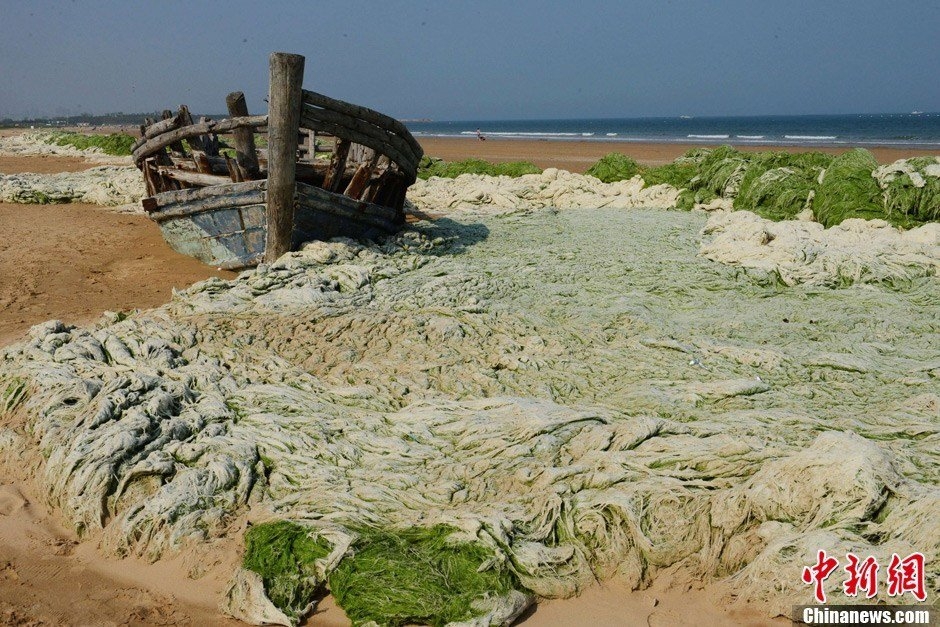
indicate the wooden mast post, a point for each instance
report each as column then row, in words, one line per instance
column 245, row 154
column 287, row 73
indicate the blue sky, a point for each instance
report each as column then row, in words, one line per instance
column 480, row 59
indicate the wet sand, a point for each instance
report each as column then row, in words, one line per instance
column 578, row 156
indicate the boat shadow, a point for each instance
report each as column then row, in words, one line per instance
column 457, row 236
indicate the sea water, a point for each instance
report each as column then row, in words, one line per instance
column 903, row 130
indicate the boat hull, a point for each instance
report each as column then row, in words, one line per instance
column 225, row 225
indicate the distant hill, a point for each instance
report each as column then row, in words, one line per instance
column 86, row 119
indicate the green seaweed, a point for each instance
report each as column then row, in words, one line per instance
column 118, row 144
column 429, row 167
column 15, row 393
column 720, row 171
column 416, row 576
column 779, row 185
column 907, row 200
column 284, row 554
column 688, row 198
column 614, row 167
column 848, row 190
column 679, row 173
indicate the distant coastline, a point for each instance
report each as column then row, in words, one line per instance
column 900, row 130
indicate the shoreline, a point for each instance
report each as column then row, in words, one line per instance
column 578, row 155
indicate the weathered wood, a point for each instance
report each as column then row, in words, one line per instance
column 378, row 185
column 357, row 209
column 158, row 128
column 151, row 180
column 192, row 131
column 363, row 128
column 194, row 178
column 359, row 180
column 197, row 200
column 234, row 172
column 406, row 161
column 377, row 162
column 364, row 113
column 245, row 154
column 334, row 176
column 286, row 81
column 210, row 141
column 201, row 160
column 166, row 212
column 311, row 143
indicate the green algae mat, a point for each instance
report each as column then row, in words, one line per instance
column 443, row 427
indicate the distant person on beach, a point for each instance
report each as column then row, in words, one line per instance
column 480, row 136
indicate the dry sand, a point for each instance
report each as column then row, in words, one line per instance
column 74, row 261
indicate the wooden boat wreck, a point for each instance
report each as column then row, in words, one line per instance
column 325, row 168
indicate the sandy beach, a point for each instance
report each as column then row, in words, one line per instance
column 72, row 262
column 75, row 261
column 578, row 156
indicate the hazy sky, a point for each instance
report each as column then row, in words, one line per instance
column 478, row 59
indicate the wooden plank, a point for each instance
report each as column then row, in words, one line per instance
column 384, row 217
column 311, row 143
column 377, row 189
column 167, row 124
column 193, row 131
column 189, row 195
column 150, row 179
column 359, row 181
column 202, row 206
column 210, row 141
column 334, row 176
column 245, row 154
column 195, row 142
column 364, row 113
column 194, row 178
column 196, row 200
column 234, row 172
column 201, row 160
column 286, row 80
column 365, row 128
column 407, row 162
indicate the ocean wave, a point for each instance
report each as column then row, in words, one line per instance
column 522, row 134
column 611, row 134
column 587, row 134
column 750, row 136
column 810, row 137
column 708, row 136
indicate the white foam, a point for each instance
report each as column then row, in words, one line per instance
column 611, row 134
column 522, row 134
column 812, row 137
column 749, row 136
column 708, row 136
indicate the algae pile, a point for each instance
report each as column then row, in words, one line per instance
column 114, row 182
column 781, row 185
column 512, row 404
